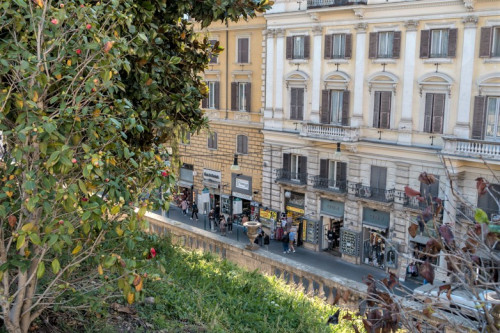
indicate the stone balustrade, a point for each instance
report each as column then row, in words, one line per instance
column 330, row 132
column 471, row 148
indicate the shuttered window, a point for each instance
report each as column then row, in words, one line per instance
column 242, row 144
column 243, row 56
column 378, row 177
column 297, row 103
column 212, row 101
column 337, row 101
column 489, row 45
column 434, row 113
column 241, row 96
column 211, row 95
column 212, row 140
column 338, row 46
column 213, row 60
column 297, row 47
column 382, row 109
column 386, row 44
column 438, row 43
column 335, row 107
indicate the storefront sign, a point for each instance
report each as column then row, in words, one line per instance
column 254, row 203
column 296, row 199
column 349, row 242
column 376, row 218
column 242, row 184
column 269, row 215
column 242, row 196
column 295, row 209
column 332, row 208
column 186, row 175
column 212, row 175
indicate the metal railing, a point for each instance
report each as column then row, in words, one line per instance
column 468, row 212
column 333, row 3
column 372, row 193
column 471, row 148
column 288, row 176
column 333, row 185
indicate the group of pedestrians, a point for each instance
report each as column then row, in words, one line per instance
column 288, row 240
column 219, row 221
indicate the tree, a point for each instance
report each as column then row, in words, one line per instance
column 89, row 90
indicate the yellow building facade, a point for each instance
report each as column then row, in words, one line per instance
column 234, row 109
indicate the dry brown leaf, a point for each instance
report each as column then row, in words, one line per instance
column 411, row 192
column 345, row 295
column 413, row 229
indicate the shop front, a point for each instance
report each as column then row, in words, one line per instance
column 331, row 222
column 294, row 209
column 375, row 233
column 185, row 183
column 210, row 197
column 269, row 218
column 241, row 192
column 310, row 233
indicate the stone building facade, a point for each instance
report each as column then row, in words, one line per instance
column 361, row 97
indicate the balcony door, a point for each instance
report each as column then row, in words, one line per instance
column 378, row 178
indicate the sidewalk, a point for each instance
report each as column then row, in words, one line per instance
column 320, row 260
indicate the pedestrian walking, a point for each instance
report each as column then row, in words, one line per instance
column 285, row 241
column 229, row 224
column 211, row 218
column 184, row 206
column 195, row 211
column 222, row 225
column 291, row 237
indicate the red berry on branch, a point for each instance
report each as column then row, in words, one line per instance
column 88, row 26
column 78, row 51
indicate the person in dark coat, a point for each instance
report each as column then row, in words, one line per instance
column 285, row 241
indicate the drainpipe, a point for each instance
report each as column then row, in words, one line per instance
column 227, row 69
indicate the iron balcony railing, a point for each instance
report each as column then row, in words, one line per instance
column 288, row 176
column 468, row 212
column 333, row 185
column 332, row 3
column 372, row 193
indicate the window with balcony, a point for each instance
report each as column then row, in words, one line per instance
column 242, row 144
column 492, row 119
column 382, row 109
column 297, row 47
column 434, row 113
column 489, row 46
column 240, row 96
column 243, row 50
column 438, row 43
column 490, row 200
column 386, row 44
column 212, row 140
column 332, row 175
column 294, row 168
column 338, row 46
column 297, row 103
column 212, row 101
column 378, row 178
column 213, row 59
column 335, row 107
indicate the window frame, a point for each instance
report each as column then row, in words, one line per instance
column 295, row 48
column 389, row 44
column 216, row 58
column 340, row 106
column 212, row 141
column 242, row 97
column 294, row 167
column 301, row 116
column 238, row 60
column 496, row 125
column 443, row 45
column 342, row 37
column 239, row 149
column 445, row 111
column 495, row 42
column 211, row 95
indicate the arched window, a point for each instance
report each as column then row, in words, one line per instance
column 296, row 83
column 435, row 89
column 335, row 99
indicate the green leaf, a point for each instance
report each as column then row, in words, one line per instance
column 142, row 36
column 53, row 239
column 86, row 215
column 35, row 239
column 20, row 241
column 82, row 186
column 55, row 266
column 110, row 261
column 53, row 159
column 480, row 216
column 40, row 270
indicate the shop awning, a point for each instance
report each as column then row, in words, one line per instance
column 183, row 183
column 211, row 184
column 374, row 226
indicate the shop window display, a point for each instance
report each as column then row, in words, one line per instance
column 374, row 250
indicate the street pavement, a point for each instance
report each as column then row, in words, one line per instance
column 319, row 260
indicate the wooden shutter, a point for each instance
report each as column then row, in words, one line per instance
column 348, row 46
column 328, row 46
column 429, row 100
column 385, row 109
column 378, row 177
column 289, row 47
column 307, row 47
column 248, row 96
column 341, row 171
column 239, row 144
column 245, row 144
column 438, row 113
column 217, row 95
column 325, row 107
column 211, row 143
column 452, row 43
column 303, row 169
column 213, row 59
column 323, row 168
column 243, row 50
column 293, row 103
column 345, row 107
column 234, row 96
column 372, row 50
column 300, row 104
column 479, row 119
column 287, row 161
column 485, row 43
column 425, row 43
column 376, row 109
column 204, row 103
column 396, row 44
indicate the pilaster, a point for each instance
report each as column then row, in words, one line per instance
column 357, row 115
column 268, row 110
column 316, row 73
column 280, row 61
column 466, row 72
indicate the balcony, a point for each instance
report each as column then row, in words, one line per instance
column 332, row 185
column 333, row 3
column 330, row 132
column 471, row 148
column 289, row 177
column 467, row 212
column 372, row 193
